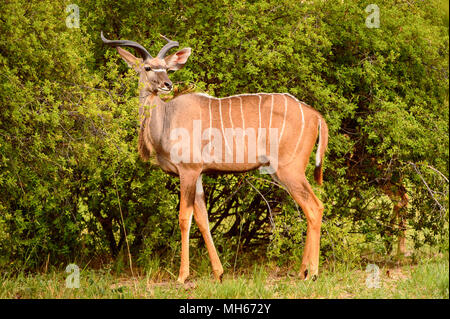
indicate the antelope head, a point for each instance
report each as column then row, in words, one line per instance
column 153, row 78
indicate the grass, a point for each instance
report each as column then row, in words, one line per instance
column 427, row 279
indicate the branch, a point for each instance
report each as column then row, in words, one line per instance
column 270, row 211
column 426, row 185
column 282, row 187
column 443, row 176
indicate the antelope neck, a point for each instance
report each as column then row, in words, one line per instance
column 148, row 99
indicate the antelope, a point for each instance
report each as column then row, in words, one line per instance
column 293, row 127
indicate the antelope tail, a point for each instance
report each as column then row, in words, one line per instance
column 321, row 148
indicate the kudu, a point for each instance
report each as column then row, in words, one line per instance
column 296, row 125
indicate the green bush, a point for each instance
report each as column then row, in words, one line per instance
column 68, row 125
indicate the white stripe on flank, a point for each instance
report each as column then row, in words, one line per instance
column 271, row 113
column 223, row 132
column 318, row 147
column 259, row 110
column 232, row 126
column 271, row 110
column 284, row 120
column 210, row 120
column 242, row 114
column 243, row 123
column 231, row 120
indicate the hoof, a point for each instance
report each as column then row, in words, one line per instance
column 304, row 274
column 181, row 279
column 183, row 275
column 218, row 274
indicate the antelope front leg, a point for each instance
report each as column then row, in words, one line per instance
column 201, row 218
column 313, row 232
column 306, row 258
column 187, row 193
column 185, row 219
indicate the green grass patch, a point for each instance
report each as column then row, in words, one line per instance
column 429, row 278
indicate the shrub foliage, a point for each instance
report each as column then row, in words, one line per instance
column 68, row 125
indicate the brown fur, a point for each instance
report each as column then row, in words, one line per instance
column 144, row 149
column 297, row 125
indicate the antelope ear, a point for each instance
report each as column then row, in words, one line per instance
column 177, row 60
column 130, row 59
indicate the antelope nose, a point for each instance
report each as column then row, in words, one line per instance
column 168, row 85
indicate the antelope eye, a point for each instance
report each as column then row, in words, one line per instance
column 147, row 68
